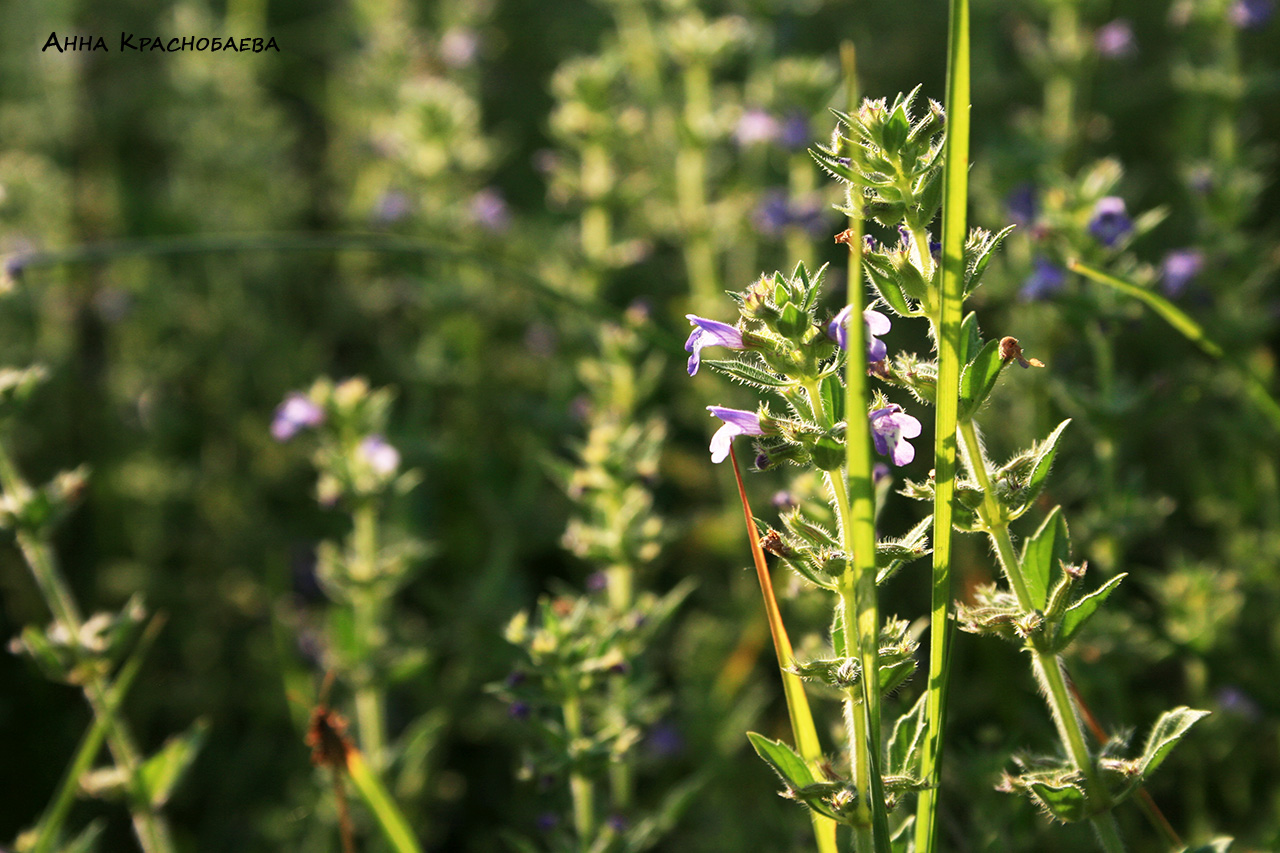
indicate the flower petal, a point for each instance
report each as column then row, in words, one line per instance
column 877, row 323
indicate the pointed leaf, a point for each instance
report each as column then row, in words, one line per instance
column 1045, row 451
column 979, row 379
column 1041, row 553
column 795, row 774
column 1165, row 734
column 748, row 374
column 161, row 772
column 978, row 254
column 903, row 751
column 1217, row 845
column 1077, row 614
column 1063, row 800
column 970, row 338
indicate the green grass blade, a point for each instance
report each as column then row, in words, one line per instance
column 385, row 811
column 1192, row 331
column 955, row 195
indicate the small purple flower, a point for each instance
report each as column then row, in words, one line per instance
column 1110, row 221
column 755, row 127
column 616, row 822
column 489, row 210
column 382, row 457
column 515, row 678
column 709, row 333
column 520, row 710
column 784, row 501
column 879, row 473
column 1023, row 204
column 598, row 581
column 1179, row 268
column 1114, row 40
column 794, row 134
column 736, row 422
column 1046, row 279
column 890, row 427
column 392, row 206
column 664, row 740
column 295, row 414
column 547, row 821
column 1233, row 700
column 876, row 324
column 1252, row 14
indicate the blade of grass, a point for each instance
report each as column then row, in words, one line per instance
column 1192, row 331
column 954, row 202
column 802, row 727
column 385, row 811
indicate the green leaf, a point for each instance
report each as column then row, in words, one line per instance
column 87, row 840
column 748, row 374
column 1218, row 845
column 884, row 279
column 161, row 772
column 978, row 252
column 979, row 379
column 1165, row 734
column 903, row 751
column 1063, row 800
column 970, row 338
column 1040, row 463
column 1077, row 614
column 789, row 766
column 1042, row 552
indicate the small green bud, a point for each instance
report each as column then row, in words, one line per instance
column 828, row 453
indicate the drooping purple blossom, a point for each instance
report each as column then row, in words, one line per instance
column 736, row 422
column 1114, row 40
column 459, row 46
column 890, row 429
column 709, row 333
column 876, row 324
column 1252, row 14
column 295, row 414
column 381, row 456
column 391, row 207
column 755, row 126
column 776, row 212
column 1110, row 221
column 1046, row 279
column 1178, row 269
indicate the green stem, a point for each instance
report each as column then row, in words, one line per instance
column 150, row 827
column 367, row 615
column 580, row 789
column 1045, row 665
column 691, row 186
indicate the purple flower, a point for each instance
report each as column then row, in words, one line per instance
column 876, row 324
column 1023, row 204
column 1179, row 268
column 489, row 210
column 547, row 821
column 754, row 127
column 879, row 473
column 736, row 422
column 1110, row 221
column 1252, row 14
column 295, row 414
column 1114, row 40
column 520, row 710
column 1046, row 279
column 616, row 822
column 890, row 427
column 709, row 333
column 392, row 206
column 795, row 133
column 773, row 214
column 382, row 457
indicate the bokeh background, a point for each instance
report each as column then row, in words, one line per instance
column 451, row 199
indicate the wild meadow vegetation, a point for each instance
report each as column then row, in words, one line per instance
column 483, row 425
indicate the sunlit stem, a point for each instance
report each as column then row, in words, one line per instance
column 580, row 789
column 1045, row 664
column 367, row 612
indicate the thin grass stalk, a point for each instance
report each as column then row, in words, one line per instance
column 802, row 726
column 948, row 334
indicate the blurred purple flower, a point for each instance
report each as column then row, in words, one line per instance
column 598, row 581
column 381, row 456
column 794, row 134
column 547, row 821
column 1252, row 14
column 1114, row 40
column 1178, row 269
column 784, row 501
column 520, row 710
column 664, row 740
column 736, row 422
column 890, row 429
column 879, row 473
column 1110, row 221
column 773, row 214
column 876, row 324
column 709, row 333
column 1046, row 279
column 1023, row 204
column 489, row 210
column 617, row 822
column 1233, row 700
column 391, row 207
column 295, row 414
column 459, row 46
column 755, row 127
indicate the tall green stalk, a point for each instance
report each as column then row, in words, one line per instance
column 948, row 335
